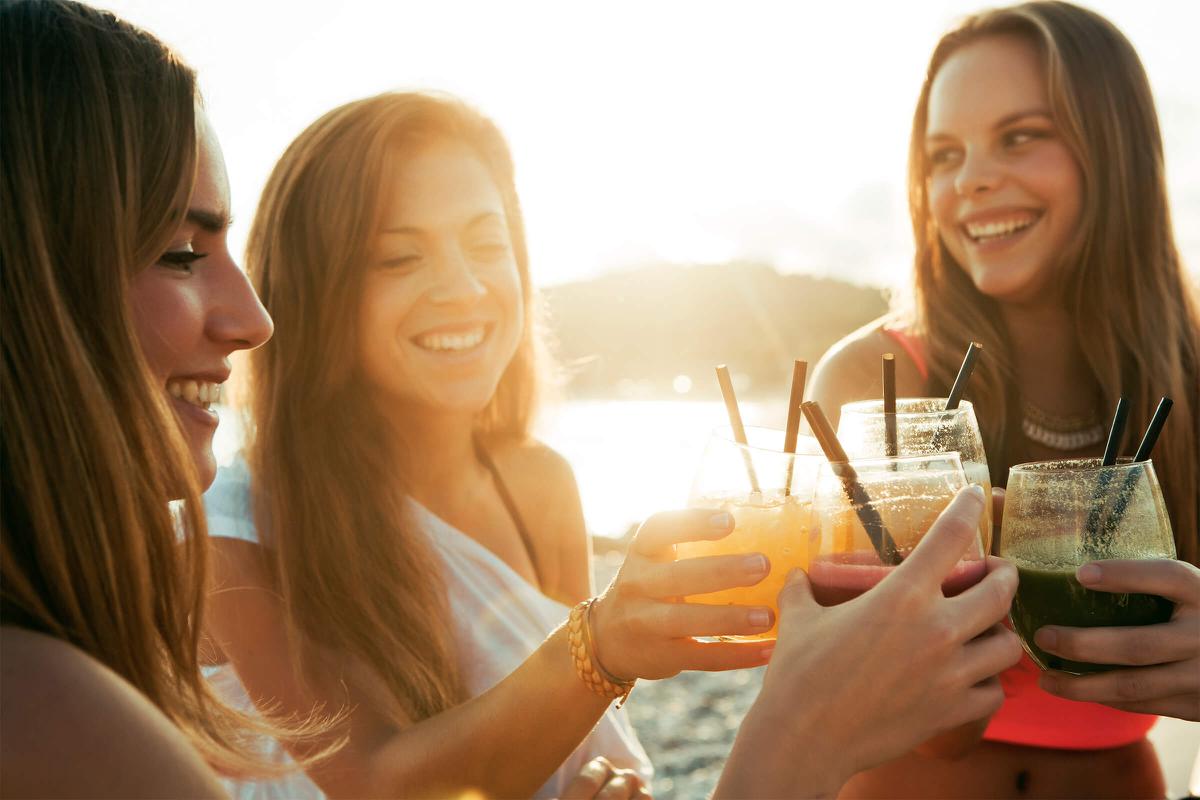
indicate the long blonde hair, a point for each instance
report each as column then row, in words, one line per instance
column 356, row 576
column 98, row 143
column 1136, row 316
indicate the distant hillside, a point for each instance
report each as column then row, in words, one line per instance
column 632, row 333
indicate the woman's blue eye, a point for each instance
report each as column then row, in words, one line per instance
column 180, row 260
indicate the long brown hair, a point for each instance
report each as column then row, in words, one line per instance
column 1135, row 314
column 356, row 575
column 98, row 143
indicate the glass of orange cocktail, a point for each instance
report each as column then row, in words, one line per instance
column 922, row 426
column 870, row 514
column 769, row 494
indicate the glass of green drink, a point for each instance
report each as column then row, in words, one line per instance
column 1059, row 515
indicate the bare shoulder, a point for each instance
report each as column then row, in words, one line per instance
column 543, row 486
column 850, row 369
column 535, row 465
column 71, row 727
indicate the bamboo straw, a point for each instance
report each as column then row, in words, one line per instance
column 792, row 431
column 891, row 444
column 881, row 540
column 735, row 423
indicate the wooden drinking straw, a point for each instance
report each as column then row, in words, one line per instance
column 1143, row 454
column 735, row 423
column 1111, row 447
column 792, row 432
column 891, row 445
column 964, row 374
column 881, row 540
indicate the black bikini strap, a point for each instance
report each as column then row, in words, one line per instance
column 509, row 504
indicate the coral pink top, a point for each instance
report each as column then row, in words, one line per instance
column 1030, row 716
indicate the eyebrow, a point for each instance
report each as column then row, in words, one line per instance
column 1003, row 122
column 474, row 221
column 209, row 221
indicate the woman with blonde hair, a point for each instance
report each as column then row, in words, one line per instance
column 121, row 305
column 395, row 542
column 1039, row 207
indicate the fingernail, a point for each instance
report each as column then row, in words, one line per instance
column 1088, row 573
column 976, row 491
column 1046, row 638
column 721, row 521
column 794, row 575
column 760, row 618
column 755, row 564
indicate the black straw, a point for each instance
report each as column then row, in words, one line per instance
column 1143, row 454
column 1115, row 433
column 891, row 440
column 877, row 532
column 964, row 374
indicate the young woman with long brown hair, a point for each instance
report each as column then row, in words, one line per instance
column 121, row 305
column 397, row 544
column 1043, row 231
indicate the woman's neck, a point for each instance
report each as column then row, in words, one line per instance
column 439, row 449
column 1052, row 372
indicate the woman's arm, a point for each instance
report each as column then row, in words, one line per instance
column 1164, row 660
column 851, row 371
column 509, row 740
column 71, row 727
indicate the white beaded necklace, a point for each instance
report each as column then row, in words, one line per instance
column 1060, row 433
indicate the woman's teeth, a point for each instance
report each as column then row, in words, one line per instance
column 198, row 393
column 451, row 342
column 990, row 231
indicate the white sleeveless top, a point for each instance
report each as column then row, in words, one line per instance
column 500, row 619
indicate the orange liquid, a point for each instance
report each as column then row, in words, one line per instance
column 775, row 526
column 907, row 522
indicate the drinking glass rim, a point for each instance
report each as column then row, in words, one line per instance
column 948, row 455
column 725, row 434
column 1075, row 466
column 859, row 407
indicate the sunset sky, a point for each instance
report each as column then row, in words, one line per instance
column 650, row 131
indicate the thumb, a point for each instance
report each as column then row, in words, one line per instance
column 954, row 532
column 796, row 595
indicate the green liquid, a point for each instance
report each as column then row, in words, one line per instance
column 1054, row 597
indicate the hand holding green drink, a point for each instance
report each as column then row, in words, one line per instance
column 1136, row 607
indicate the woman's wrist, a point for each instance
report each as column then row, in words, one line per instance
column 781, row 750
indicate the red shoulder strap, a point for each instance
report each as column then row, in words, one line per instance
column 913, row 346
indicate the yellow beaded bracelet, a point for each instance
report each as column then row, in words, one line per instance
column 583, row 654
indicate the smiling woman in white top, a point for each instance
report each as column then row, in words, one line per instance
column 396, row 543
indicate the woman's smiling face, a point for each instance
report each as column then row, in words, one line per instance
column 442, row 311
column 195, row 307
column 1004, row 189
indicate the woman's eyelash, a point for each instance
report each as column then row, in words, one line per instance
column 180, row 258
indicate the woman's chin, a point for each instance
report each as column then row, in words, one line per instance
column 1007, row 285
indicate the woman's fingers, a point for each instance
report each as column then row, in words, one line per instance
column 947, row 540
column 681, row 620
column 1132, row 685
column 659, row 533
column 983, row 605
column 720, row 656
column 1131, row 646
column 623, row 785
column 1175, row 580
column 692, row 576
column 590, row 780
column 989, row 655
column 1180, row 706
